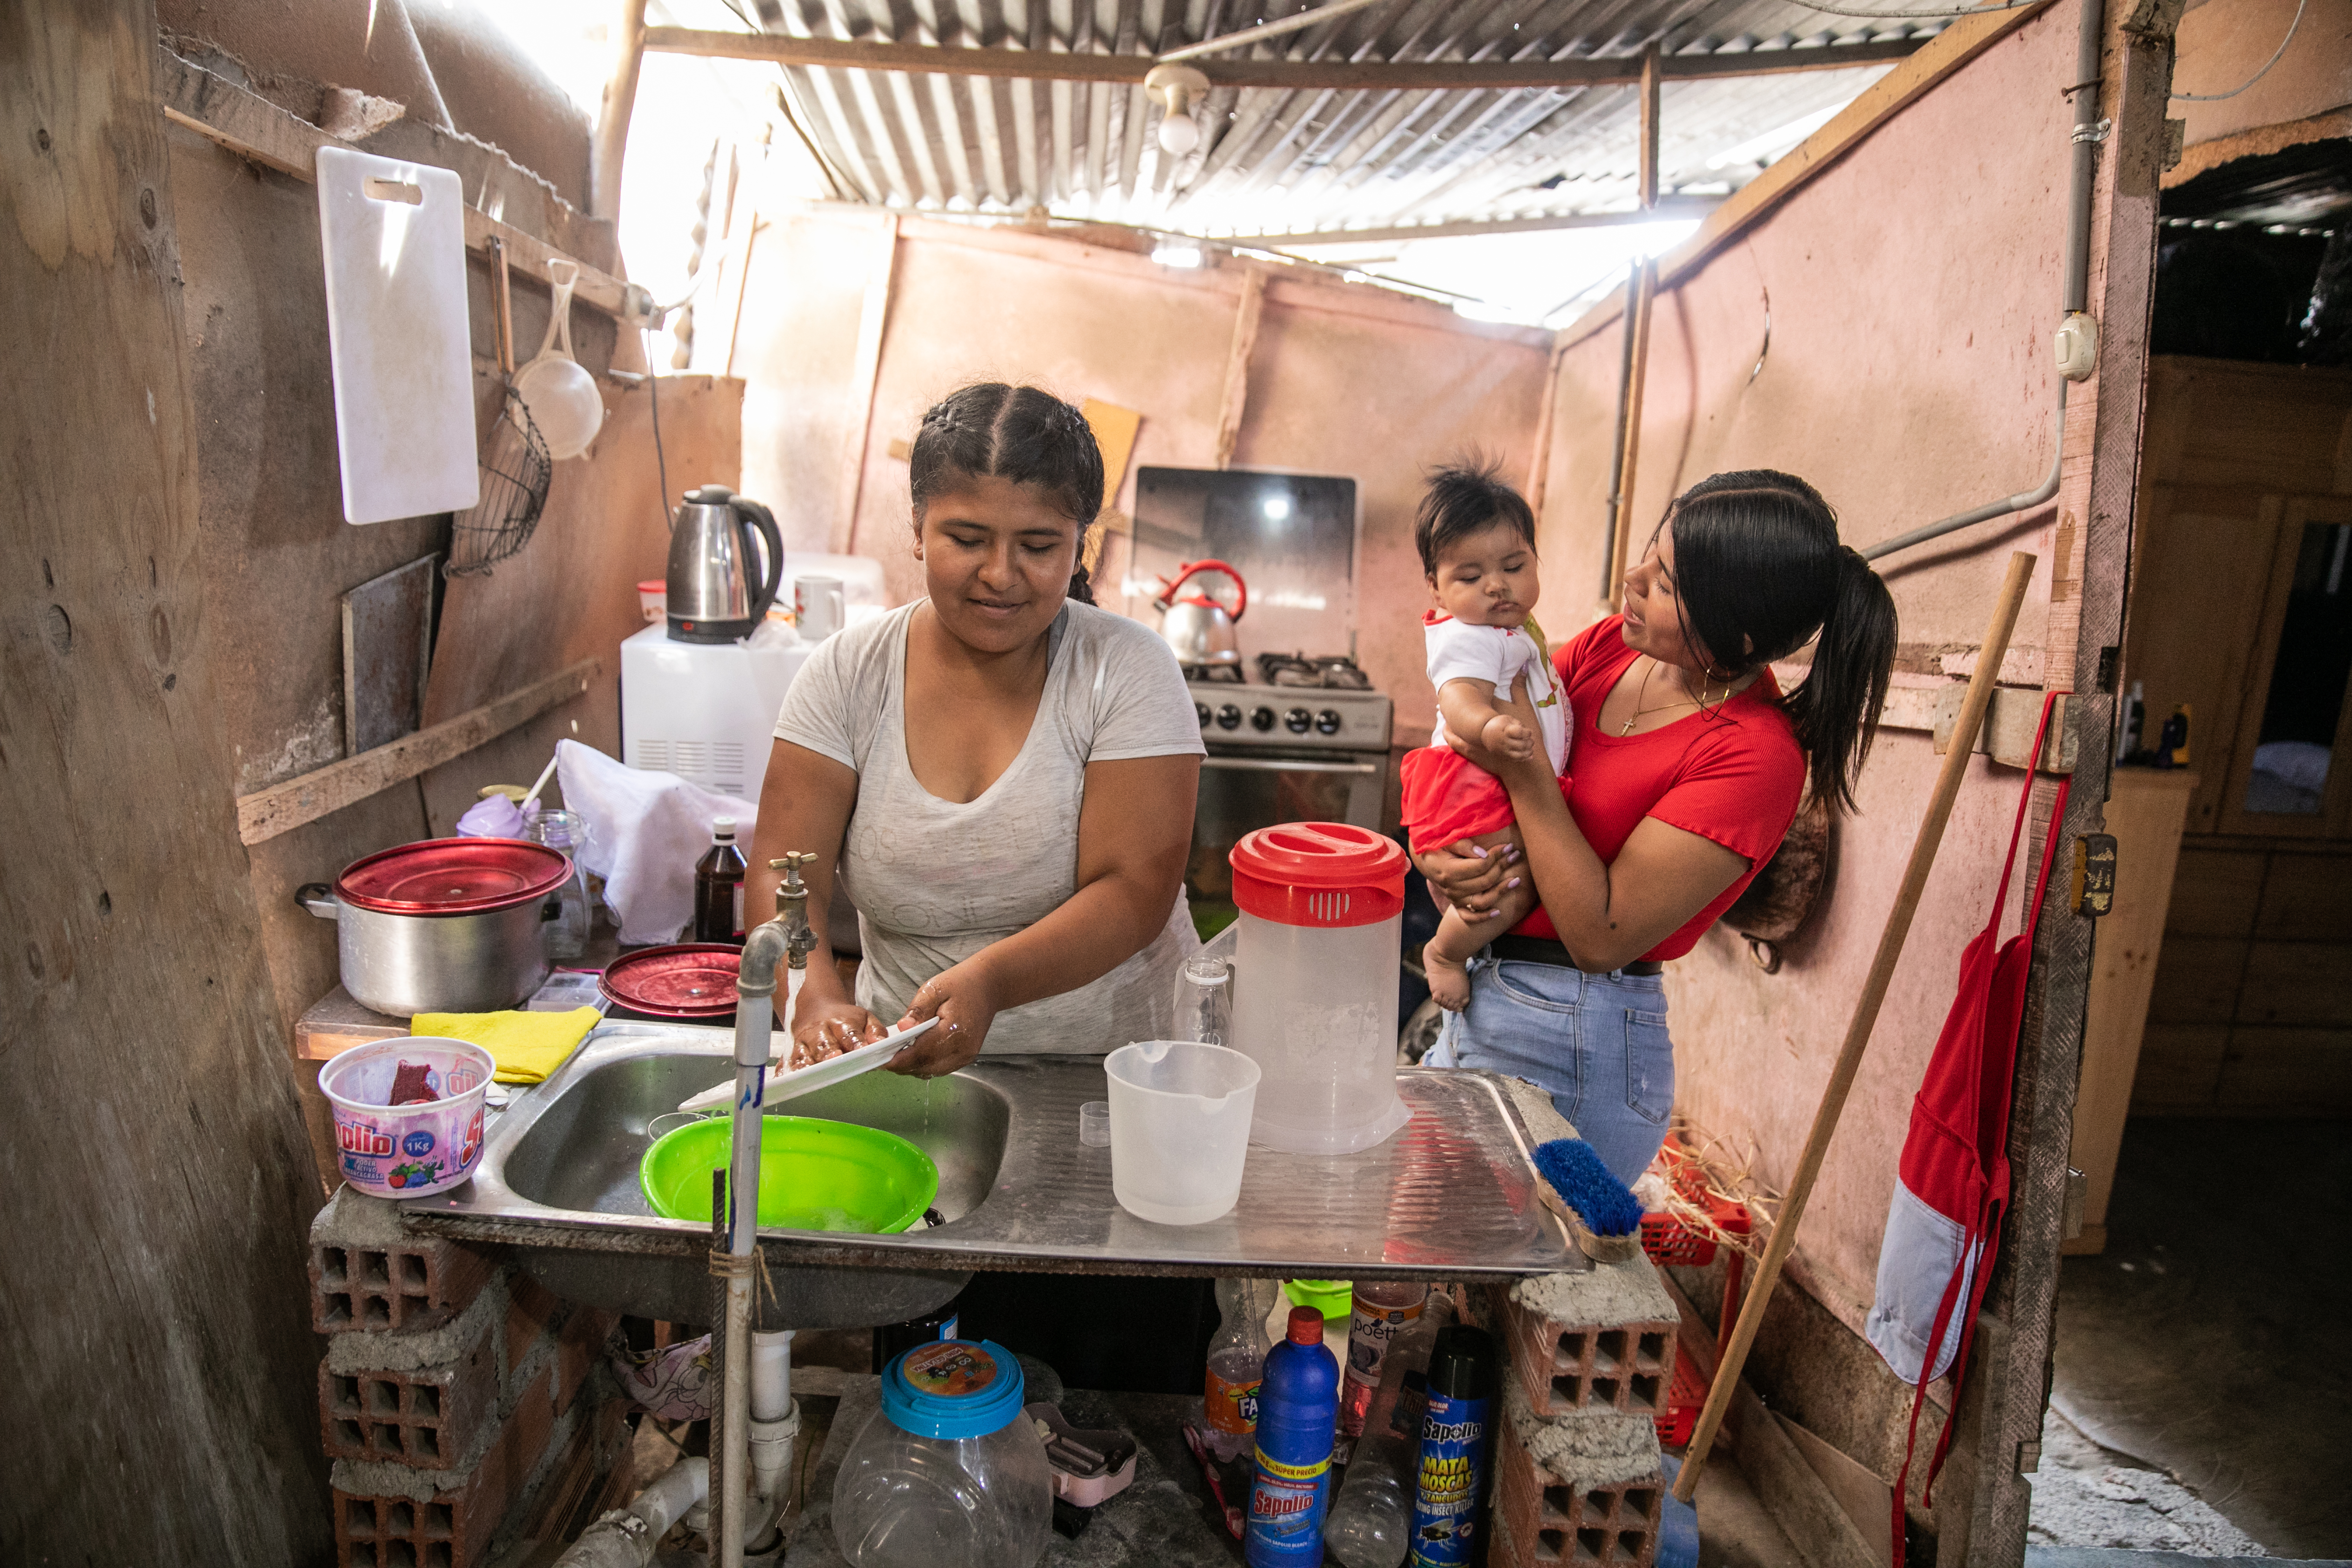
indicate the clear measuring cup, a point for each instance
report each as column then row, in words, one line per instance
column 1179, row 1127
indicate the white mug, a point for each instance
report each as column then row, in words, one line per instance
column 818, row 607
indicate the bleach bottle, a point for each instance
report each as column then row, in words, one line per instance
column 1450, row 1475
column 1297, row 1408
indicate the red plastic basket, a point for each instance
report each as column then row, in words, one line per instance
column 1668, row 1239
column 1685, row 1396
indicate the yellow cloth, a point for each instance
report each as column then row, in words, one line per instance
column 526, row 1046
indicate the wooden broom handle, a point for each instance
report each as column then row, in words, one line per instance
column 1865, row 1016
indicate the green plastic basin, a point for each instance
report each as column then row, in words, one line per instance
column 813, row 1175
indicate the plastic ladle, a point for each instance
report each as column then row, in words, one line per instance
column 559, row 392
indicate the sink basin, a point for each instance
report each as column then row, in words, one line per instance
column 1450, row 1197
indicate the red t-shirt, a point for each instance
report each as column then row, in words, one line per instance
column 1733, row 776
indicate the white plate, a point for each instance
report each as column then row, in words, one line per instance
column 783, row 1085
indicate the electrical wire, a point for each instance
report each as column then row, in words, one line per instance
column 2275, row 55
column 1331, row 11
column 1910, row 15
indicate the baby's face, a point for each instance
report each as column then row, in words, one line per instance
column 1487, row 578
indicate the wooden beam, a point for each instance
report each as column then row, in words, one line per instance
column 1666, row 207
column 1645, row 160
column 865, row 376
column 265, row 814
column 1947, row 52
column 1234, row 400
column 256, row 129
column 620, row 101
column 1376, row 76
column 1637, row 367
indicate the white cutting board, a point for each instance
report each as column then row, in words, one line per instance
column 394, row 235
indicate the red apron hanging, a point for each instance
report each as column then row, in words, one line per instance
column 1943, row 1227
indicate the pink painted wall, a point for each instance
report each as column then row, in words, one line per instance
column 1346, row 379
column 1912, row 287
column 2223, row 42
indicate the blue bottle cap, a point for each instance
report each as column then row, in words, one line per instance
column 952, row 1388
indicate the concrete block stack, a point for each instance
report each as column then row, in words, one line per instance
column 1588, row 1360
column 453, row 1389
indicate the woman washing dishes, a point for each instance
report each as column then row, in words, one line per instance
column 1001, row 775
column 1686, row 767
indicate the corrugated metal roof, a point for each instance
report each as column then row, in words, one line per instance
column 1285, row 161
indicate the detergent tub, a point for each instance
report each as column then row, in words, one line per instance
column 408, row 1151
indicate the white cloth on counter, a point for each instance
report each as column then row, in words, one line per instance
column 935, row 882
column 648, row 829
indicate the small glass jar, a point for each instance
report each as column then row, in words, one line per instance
column 1204, row 1001
column 949, row 1469
column 566, row 935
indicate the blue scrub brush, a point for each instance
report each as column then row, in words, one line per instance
column 1602, row 1214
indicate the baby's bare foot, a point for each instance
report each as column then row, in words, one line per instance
column 1449, row 982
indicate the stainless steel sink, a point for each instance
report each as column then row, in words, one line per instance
column 1450, row 1197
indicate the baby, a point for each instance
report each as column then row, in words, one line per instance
column 1477, row 541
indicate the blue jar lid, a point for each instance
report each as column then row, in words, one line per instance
column 952, row 1388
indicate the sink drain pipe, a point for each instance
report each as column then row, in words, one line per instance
column 626, row 1538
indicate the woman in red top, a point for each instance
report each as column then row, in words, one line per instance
column 1686, row 767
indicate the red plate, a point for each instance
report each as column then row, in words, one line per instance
column 453, row 876
column 688, row 979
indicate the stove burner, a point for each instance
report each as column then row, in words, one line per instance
column 1216, row 674
column 1331, row 672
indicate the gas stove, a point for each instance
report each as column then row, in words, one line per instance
column 1294, row 702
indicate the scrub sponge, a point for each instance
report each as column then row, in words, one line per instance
column 1597, row 1202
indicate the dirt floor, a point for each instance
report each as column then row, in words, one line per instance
column 2203, row 1399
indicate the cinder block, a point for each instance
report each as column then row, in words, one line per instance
column 531, row 1310
column 1564, row 1364
column 1543, row 1519
column 427, row 1417
column 579, row 1347
column 368, row 1274
column 414, row 1528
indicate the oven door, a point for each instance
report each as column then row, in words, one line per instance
column 1240, row 794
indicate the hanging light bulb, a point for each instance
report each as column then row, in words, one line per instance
column 1176, row 89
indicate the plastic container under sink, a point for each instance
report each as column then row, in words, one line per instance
column 1180, row 1129
column 950, row 1470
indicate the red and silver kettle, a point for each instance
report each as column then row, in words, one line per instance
column 1197, row 626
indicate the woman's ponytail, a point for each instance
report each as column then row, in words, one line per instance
column 1836, row 707
column 1758, row 570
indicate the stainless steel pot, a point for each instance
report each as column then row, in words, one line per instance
column 444, row 926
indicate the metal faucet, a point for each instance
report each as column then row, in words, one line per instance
column 791, row 908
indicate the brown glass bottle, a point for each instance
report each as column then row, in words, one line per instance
column 719, row 886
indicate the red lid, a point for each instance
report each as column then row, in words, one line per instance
column 1305, row 1326
column 453, row 876
column 1318, row 874
column 685, row 980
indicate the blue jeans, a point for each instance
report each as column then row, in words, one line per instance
column 1596, row 1042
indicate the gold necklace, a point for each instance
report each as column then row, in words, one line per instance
column 1644, row 690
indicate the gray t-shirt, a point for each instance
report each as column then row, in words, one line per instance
column 934, row 882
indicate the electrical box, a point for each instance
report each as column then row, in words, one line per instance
column 2077, row 343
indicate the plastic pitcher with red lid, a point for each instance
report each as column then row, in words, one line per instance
column 1315, row 984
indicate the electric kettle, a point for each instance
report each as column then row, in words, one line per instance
column 1196, row 626
column 715, row 596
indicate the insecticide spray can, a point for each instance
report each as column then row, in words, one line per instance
column 1452, row 1470
column 1298, row 1407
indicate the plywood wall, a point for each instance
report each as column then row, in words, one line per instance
column 162, row 1402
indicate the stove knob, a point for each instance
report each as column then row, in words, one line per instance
column 1296, row 720
column 1202, row 709
column 1229, row 717
column 1328, row 721
column 1261, row 717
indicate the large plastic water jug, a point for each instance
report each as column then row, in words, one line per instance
column 1315, row 983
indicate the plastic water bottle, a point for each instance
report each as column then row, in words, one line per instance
column 1382, row 1310
column 1298, row 1407
column 1229, row 1400
column 1372, row 1518
column 1450, row 1471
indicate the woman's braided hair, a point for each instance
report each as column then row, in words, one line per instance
column 994, row 430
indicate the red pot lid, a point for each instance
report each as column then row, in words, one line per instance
column 453, row 877
column 685, row 980
column 1318, row 874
